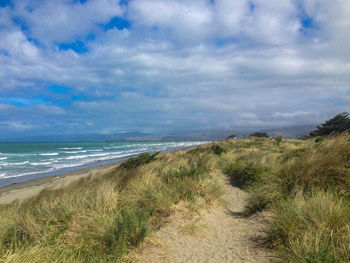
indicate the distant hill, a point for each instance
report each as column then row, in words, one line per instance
column 205, row 135
column 292, row 131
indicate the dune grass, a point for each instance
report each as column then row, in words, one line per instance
column 98, row 219
column 312, row 228
column 303, row 184
column 308, row 195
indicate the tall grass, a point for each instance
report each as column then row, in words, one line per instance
column 323, row 166
column 312, row 228
column 308, row 196
column 304, row 185
column 99, row 218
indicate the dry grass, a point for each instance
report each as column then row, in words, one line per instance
column 98, row 219
column 314, row 228
column 325, row 165
column 308, row 194
column 304, row 184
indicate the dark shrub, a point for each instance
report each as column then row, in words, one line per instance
column 232, row 136
column 217, row 149
column 142, row 159
column 338, row 124
column 259, row 134
column 244, row 174
column 278, row 139
column 319, row 139
column 198, row 150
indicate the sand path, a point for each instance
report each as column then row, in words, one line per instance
column 221, row 235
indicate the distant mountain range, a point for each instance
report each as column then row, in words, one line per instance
column 291, row 132
column 208, row 135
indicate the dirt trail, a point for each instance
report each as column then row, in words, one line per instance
column 223, row 235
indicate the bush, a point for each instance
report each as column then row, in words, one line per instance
column 244, row 174
column 142, row 159
column 278, row 139
column 199, row 149
column 232, row 136
column 319, row 139
column 217, row 149
column 214, row 148
column 338, row 124
column 259, row 134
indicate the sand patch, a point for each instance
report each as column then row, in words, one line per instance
column 219, row 235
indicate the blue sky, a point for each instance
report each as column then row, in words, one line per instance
column 106, row 66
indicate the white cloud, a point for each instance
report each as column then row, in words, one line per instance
column 186, row 20
column 182, row 64
column 64, row 20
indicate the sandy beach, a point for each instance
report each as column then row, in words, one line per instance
column 20, row 191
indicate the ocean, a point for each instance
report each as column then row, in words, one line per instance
column 20, row 162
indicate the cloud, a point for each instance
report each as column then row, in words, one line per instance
column 175, row 65
column 64, row 21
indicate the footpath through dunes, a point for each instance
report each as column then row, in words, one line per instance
column 218, row 235
column 151, row 208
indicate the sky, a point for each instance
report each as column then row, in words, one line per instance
column 107, row 66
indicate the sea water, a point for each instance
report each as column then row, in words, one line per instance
column 21, row 162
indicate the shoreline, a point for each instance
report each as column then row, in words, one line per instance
column 23, row 190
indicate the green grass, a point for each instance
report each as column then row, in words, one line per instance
column 100, row 218
column 312, row 228
column 142, row 159
column 244, row 174
column 304, row 185
column 307, row 193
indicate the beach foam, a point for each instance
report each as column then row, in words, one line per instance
column 77, row 157
column 48, row 154
column 42, row 163
column 53, row 157
column 71, row 148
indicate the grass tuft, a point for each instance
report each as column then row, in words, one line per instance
column 314, row 228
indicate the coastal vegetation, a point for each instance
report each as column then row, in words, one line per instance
column 302, row 186
column 232, row 136
column 259, row 135
column 308, row 195
column 100, row 218
column 338, row 124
